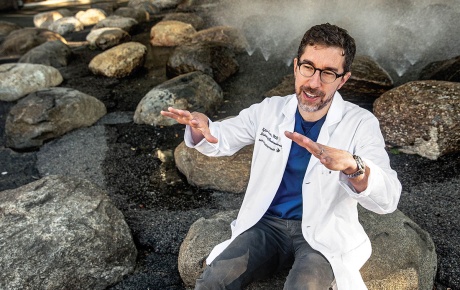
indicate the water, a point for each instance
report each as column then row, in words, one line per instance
column 401, row 35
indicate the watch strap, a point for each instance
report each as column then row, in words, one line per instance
column 361, row 167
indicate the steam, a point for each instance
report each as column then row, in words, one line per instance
column 402, row 35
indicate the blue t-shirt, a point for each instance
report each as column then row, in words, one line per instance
column 287, row 203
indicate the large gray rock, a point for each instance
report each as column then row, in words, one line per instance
column 194, row 92
column 21, row 41
column 368, row 79
column 144, row 5
column 198, row 5
column 191, row 18
column 444, row 70
column 7, row 27
column 228, row 173
column 403, row 256
column 215, row 59
column 18, row 80
column 139, row 14
column 107, row 37
column 166, row 4
column 125, row 23
column 51, row 53
column 225, row 35
column 119, row 61
column 171, row 33
column 421, row 117
column 66, row 25
column 49, row 113
column 62, row 233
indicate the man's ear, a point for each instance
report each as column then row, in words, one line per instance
column 295, row 66
column 344, row 79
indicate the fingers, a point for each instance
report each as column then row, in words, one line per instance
column 181, row 116
column 197, row 121
column 313, row 147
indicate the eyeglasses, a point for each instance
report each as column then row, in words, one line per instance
column 326, row 76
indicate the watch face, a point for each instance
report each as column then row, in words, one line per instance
column 359, row 162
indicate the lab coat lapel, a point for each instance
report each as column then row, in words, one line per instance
column 287, row 125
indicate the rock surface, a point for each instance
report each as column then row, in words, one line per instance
column 107, row 37
column 193, row 91
column 119, row 61
column 421, row 117
column 171, row 33
column 225, row 35
column 213, row 59
column 21, row 41
column 18, row 80
column 62, row 233
column 66, row 25
column 445, row 70
column 6, row 28
column 125, row 23
column 402, row 251
column 51, row 53
column 91, row 16
column 228, row 174
column 44, row 19
column 49, row 113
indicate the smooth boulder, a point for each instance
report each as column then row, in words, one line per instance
column 91, row 16
column 125, row 23
column 50, row 113
column 225, row 35
column 18, row 80
column 228, row 173
column 194, row 91
column 119, row 61
column 66, row 26
column 21, row 41
column 215, row 59
column 444, row 70
column 51, row 53
column 107, row 37
column 171, row 33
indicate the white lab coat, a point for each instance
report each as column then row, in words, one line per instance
column 330, row 217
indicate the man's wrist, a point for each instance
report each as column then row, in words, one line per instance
column 359, row 169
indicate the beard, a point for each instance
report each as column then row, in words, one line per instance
column 316, row 107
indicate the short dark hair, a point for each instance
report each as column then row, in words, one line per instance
column 330, row 35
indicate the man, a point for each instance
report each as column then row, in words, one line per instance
column 315, row 158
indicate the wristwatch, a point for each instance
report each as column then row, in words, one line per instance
column 361, row 167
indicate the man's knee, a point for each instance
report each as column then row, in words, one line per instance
column 224, row 274
column 312, row 272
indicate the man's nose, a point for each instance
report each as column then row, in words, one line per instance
column 315, row 80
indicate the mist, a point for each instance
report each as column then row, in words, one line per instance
column 401, row 35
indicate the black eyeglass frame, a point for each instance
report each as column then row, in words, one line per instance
column 320, row 72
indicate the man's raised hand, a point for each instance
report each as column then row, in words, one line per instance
column 198, row 122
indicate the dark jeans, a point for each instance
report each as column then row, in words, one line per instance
column 269, row 246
